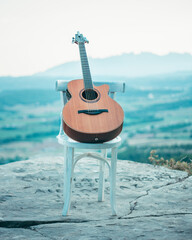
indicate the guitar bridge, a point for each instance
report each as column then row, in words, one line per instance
column 93, row 111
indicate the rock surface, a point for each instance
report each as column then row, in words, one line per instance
column 152, row 202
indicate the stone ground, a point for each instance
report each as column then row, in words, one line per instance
column 152, row 202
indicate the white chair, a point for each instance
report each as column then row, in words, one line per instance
column 70, row 145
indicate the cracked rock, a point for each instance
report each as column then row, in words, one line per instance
column 150, row 200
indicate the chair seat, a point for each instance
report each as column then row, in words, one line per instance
column 69, row 142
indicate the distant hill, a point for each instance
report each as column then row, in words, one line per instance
column 135, row 69
column 127, row 65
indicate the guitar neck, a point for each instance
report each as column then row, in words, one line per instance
column 85, row 67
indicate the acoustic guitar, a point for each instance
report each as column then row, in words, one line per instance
column 90, row 115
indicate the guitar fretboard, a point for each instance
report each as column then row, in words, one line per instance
column 85, row 67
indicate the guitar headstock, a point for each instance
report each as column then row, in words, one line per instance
column 79, row 39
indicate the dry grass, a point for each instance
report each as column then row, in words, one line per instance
column 170, row 163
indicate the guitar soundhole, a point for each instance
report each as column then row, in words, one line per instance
column 90, row 95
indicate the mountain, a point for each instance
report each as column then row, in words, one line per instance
column 127, row 65
column 145, row 69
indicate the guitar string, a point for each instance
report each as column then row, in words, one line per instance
column 81, row 50
column 90, row 92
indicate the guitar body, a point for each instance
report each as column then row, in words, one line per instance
column 94, row 120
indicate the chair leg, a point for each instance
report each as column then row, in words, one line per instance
column 102, row 177
column 113, row 179
column 68, row 172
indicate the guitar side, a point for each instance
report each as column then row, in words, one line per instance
column 90, row 128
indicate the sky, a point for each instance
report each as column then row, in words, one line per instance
column 36, row 35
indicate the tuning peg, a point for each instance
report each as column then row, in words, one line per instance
column 86, row 40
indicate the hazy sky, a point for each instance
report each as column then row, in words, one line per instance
column 36, row 34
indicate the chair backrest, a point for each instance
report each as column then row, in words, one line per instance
column 61, row 85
